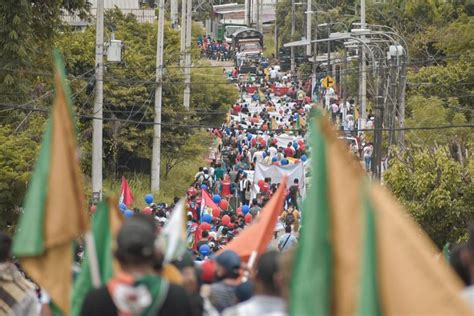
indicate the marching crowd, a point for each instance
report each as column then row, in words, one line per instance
column 266, row 128
column 213, row 49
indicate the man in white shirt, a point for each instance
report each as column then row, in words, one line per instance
column 273, row 74
column 272, row 151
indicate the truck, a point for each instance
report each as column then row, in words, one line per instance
column 249, row 42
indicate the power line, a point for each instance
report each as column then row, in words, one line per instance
column 23, row 108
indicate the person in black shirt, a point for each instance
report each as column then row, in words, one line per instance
column 137, row 290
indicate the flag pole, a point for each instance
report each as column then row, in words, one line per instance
column 92, row 255
column 251, row 262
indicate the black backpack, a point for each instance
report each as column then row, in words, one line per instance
column 206, row 180
column 290, row 218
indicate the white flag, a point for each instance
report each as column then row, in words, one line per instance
column 173, row 236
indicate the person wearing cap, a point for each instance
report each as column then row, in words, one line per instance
column 267, row 299
column 18, row 294
column 222, row 294
column 137, row 290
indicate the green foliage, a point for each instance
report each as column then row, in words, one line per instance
column 129, row 95
column 17, row 154
column 436, row 190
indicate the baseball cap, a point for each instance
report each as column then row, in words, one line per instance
column 135, row 242
column 229, row 260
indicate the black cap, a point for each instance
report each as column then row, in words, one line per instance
column 135, row 242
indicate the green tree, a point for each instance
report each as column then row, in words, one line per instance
column 435, row 189
column 17, row 155
column 129, row 92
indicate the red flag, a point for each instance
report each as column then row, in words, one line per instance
column 207, row 204
column 258, row 234
column 126, row 195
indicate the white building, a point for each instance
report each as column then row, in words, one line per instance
column 126, row 6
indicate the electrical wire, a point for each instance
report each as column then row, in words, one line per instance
column 22, row 108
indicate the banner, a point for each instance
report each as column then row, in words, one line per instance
column 276, row 173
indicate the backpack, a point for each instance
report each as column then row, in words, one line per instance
column 290, row 218
column 206, row 180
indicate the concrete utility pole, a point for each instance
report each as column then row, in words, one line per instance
column 257, row 16
column 97, row 123
column 308, row 28
column 363, row 74
column 183, row 31
column 247, row 13
column 156, row 155
column 276, row 33
column 292, row 49
column 174, row 13
column 187, row 59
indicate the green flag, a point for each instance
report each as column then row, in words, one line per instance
column 54, row 211
column 311, row 279
column 102, row 230
column 369, row 304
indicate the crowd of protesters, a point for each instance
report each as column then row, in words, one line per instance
column 214, row 49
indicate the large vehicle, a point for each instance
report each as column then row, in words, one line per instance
column 231, row 29
column 228, row 27
column 249, row 42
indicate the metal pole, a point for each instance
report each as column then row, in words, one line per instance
column 379, row 107
column 97, row 123
column 401, row 110
column 308, row 28
column 156, row 155
column 292, row 49
column 363, row 75
column 329, row 52
column 187, row 61
column 174, row 13
column 183, row 31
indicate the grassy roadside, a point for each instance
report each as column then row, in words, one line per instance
column 178, row 181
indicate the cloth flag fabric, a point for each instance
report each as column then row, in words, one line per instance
column 173, row 235
column 126, row 195
column 259, row 233
column 105, row 225
column 207, row 204
column 54, row 212
column 339, row 251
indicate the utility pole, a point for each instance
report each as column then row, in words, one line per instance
column 314, row 80
column 379, row 107
column 401, row 109
column 276, row 32
column 247, row 13
column 174, row 13
column 329, row 51
column 261, row 16
column 257, row 16
column 292, row 49
column 156, row 155
column 308, row 28
column 187, row 59
column 97, row 123
column 363, row 75
column 183, row 31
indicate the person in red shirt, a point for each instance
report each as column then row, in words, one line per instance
column 289, row 151
column 237, row 108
